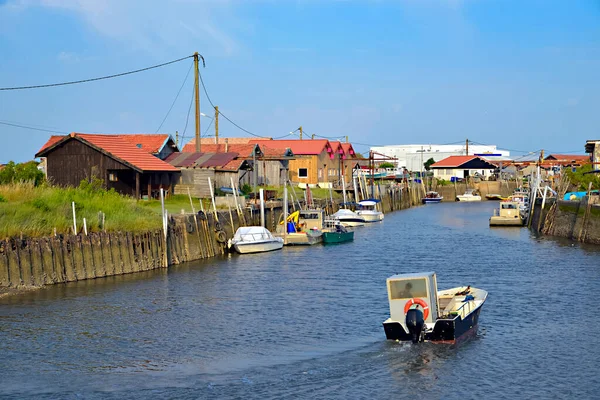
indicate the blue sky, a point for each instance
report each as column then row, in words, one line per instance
column 520, row 74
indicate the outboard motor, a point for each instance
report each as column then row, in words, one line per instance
column 415, row 324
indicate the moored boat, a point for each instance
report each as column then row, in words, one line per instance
column 419, row 312
column 509, row 214
column 470, row 195
column 432, row 197
column 254, row 239
column 304, row 227
column 349, row 217
column 335, row 232
column 494, row 196
column 368, row 210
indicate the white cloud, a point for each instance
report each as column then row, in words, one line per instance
column 67, row 57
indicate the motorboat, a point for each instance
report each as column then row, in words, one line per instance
column 302, row 227
column 470, row 195
column 335, row 232
column 254, row 239
column 349, row 217
column 509, row 214
column 432, row 197
column 419, row 312
column 368, row 210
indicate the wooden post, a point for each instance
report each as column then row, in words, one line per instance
column 74, row 219
column 137, row 185
column 212, row 196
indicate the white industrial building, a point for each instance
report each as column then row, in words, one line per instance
column 412, row 156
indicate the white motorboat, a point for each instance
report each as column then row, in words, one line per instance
column 419, row 312
column 368, row 210
column 508, row 214
column 349, row 217
column 254, row 239
column 469, row 195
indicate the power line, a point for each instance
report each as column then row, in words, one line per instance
column 176, row 97
column 221, row 113
column 187, row 119
column 32, row 128
column 95, row 79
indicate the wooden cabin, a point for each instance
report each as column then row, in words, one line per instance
column 120, row 165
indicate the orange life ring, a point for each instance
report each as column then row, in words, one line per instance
column 420, row 302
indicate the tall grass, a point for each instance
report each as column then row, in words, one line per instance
column 37, row 211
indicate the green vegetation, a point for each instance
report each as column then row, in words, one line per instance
column 386, row 165
column 427, row 164
column 581, row 180
column 22, row 172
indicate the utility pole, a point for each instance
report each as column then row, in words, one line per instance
column 216, row 124
column 467, row 146
column 197, row 95
column 300, row 132
column 312, row 136
column 346, row 139
column 177, row 138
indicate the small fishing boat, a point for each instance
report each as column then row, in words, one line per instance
column 493, row 196
column 432, row 197
column 303, row 227
column 349, row 217
column 335, row 232
column 419, row 312
column 470, row 195
column 509, row 214
column 254, row 239
column 368, row 210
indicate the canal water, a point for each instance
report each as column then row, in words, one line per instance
column 306, row 322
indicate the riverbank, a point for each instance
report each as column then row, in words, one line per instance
column 35, row 262
column 575, row 220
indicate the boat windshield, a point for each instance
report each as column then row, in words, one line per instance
column 309, row 215
column 408, row 288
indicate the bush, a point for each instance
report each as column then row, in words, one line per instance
column 246, row 189
column 22, row 172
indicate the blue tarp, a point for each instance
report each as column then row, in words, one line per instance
column 576, row 195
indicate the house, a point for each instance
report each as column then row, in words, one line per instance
column 120, row 165
column 272, row 163
column 462, row 167
column 220, row 167
column 160, row 145
column 592, row 147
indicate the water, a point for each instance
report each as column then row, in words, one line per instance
column 306, row 322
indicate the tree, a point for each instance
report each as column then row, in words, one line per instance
column 427, row 164
column 581, row 179
column 21, row 172
column 386, row 165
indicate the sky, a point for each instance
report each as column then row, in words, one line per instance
column 520, row 74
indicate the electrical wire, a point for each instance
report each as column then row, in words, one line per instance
column 32, row 128
column 95, row 79
column 225, row 116
column 187, row 119
column 176, row 97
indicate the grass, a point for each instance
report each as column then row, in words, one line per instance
column 36, row 211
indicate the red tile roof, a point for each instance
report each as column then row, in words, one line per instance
column 349, row 150
column 230, row 140
column 299, row 147
column 567, row 157
column 245, row 150
column 118, row 148
column 53, row 139
column 152, row 143
column 453, row 161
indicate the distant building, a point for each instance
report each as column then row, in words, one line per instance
column 461, row 167
column 412, row 156
column 120, row 164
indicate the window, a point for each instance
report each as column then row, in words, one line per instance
column 320, row 173
column 112, row 177
column 408, row 289
column 302, row 172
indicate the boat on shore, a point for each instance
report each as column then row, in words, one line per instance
column 509, row 214
column 419, row 312
column 470, row 195
column 335, row 232
column 368, row 210
column 494, row 196
column 349, row 217
column 254, row 239
column 432, row 197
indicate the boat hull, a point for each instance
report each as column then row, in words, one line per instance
column 431, row 200
column 505, row 221
column 468, row 198
column 444, row 331
column 371, row 216
column 337, row 237
column 246, row 248
column 301, row 239
column 352, row 223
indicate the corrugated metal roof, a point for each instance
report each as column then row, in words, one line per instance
column 245, row 150
column 120, row 149
column 202, row 160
